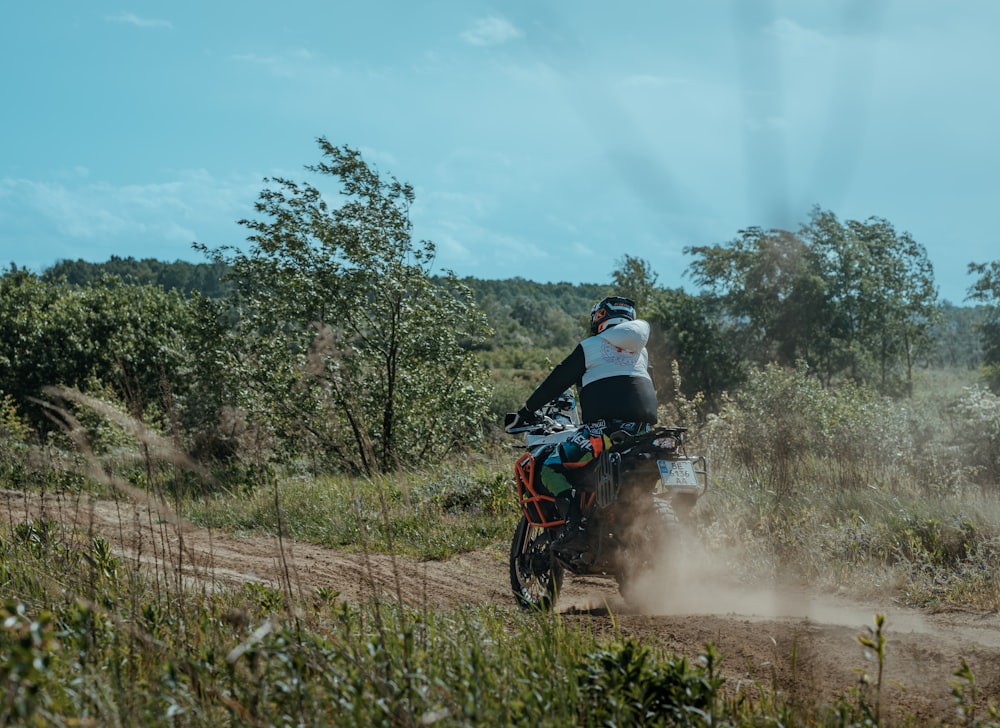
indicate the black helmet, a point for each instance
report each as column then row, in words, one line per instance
column 611, row 311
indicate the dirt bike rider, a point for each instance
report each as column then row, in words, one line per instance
column 610, row 370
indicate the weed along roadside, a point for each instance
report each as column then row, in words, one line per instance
column 295, row 507
column 342, row 623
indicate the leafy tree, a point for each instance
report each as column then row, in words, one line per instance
column 881, row 294
column 854, row 299
column 635, row 278
column 555, row 318
column 185, row 277
column 545, row 323
column 768, row 292
column 111, row 334
column 987, row 290
column 692, row 337
column 956, row 336
column 24, row 301
column 349, row 346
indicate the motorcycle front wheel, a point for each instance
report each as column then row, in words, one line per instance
column 535, row 577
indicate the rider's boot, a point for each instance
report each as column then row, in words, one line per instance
column 574, row 534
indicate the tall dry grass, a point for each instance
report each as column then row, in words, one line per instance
column 844, row 489
column 154, row 635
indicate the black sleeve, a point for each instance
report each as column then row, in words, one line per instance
column 567, row 373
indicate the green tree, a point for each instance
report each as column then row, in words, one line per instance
column 692, row 337
column 635, row 279
column 185, row 277
column 766, row 288
column 855, row 299
column 24, row 301
column 881, row 297
column 957, row 340
column 986, row 290
column 109, row 334
column 350, row 347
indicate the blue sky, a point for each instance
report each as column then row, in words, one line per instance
column 543, row 139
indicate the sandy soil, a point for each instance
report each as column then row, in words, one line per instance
column 804, row 644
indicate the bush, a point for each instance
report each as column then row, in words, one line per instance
column 978, row 434
column 14, row 435
column 785, row 431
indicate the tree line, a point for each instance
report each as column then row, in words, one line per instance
column 333, row 339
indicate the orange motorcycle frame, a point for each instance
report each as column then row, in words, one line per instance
column 538, row 507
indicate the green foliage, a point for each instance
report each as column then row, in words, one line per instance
column 883, row 295
column 767, row 285
column 977, row 436
column 345, row 344
column 527, row 316
column 458, row 491
column 865, row 706
column 28, row 646
column 122, row 336
column 784, row 430
column 629, row 685
column 686, row 332
column 966, row 692
column 855, row 299
column 986, row 289
column 845, row 487
column 635, row 279
column 208, row 279
column 433, row 515
column 957, row 340
column 14, row 437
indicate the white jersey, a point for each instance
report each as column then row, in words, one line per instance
column 617, row 351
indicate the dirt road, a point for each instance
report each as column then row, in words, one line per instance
column 804, row 644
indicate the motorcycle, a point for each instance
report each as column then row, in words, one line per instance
column 632, row 496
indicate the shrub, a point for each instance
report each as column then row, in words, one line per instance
column 14, row 435
column 784, row 430
column 978, row 434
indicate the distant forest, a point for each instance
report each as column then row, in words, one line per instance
column 522, row 313
column 207, row 279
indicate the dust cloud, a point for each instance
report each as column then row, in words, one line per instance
column 687, row 579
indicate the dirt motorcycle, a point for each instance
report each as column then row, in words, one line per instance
column 632, row 496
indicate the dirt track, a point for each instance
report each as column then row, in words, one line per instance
column 804, row 644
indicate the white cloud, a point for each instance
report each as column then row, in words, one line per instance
column 491, row 31
column 173, row 214
column 132, row 19
column 293, row 63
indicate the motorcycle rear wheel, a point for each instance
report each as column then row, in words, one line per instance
column 535, row 577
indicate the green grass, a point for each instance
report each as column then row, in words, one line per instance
column 88, row 640
column 430, row 515
column 108, row 647
column 824, row 488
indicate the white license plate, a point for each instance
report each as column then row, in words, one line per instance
column 678, row 474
